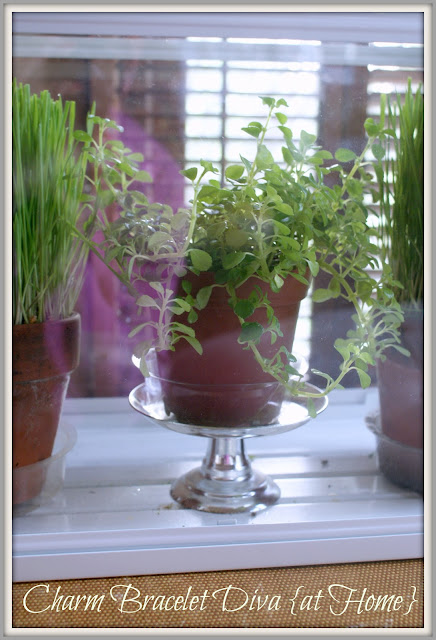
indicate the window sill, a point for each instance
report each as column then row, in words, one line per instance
column 115, row 516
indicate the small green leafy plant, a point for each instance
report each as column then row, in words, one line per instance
column 49, row 168
column 399, row 168
column 263, row 221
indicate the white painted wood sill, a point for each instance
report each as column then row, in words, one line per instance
column 115, row 517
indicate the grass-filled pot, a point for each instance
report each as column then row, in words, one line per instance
column 44, row 356
column 400, row 371
column 206, row 278
column 49, row 167
column 401, row 383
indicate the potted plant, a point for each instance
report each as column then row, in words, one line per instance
column 222, row 279
column 48, row 263
column 400, row 177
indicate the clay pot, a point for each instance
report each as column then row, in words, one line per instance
column 44, row 356
column 400, row 382
column 225, row 385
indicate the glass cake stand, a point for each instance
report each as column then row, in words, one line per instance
column 225, row 482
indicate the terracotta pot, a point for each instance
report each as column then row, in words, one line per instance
column 44, row 356
column 225, row 385
column 400, row 382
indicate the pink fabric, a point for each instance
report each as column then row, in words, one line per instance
column 108, row 311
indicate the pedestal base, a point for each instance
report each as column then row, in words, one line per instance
column 225, row 482
column 193, row 491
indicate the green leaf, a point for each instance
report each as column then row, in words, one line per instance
column 311, row 410
column 235, row 238
column 287, row 132
column 285, row 208
column 178, row 221
column 365, row 379
column 252, row 131
column 137, row 329
column 135, row 157
column 293, row 244
column 127, row 168
column 299, row 277
column 203, row 297
column 208, row 166
column 143, row 176
column 215, row 230
column 264, row 158
column 321, row 295
column 361, row 364
column 230, row 260
column 158, row 239
column 141, row 349
column 307, row 138
column 292, row 371
column 250, row 332
column 146, row 301
column 192, row 316
column 187, row 286
column 143, row 367
column 159, row 288
column 194, row 343
column 268, row 101
column 234, row 172
column 200, row 259
column 115, row 144
column 281, row 118
column 191, row 173
column 287, row 156
column 82, row 136
column 355, row 188
column 182, row 303
column 335, row 287
column 344, row 155
column 314, row 267
column 363, row 289
column 244, row 308
column 106, row 198
column 282, row 228
column 371, row 128
column 176, row 309
column 182, row 328
column 323, row 154
column 402, row 350
column 322, row 375
column 343, row 348
column 247, row 163
column 367, row 357
column 131, row 265
column 378, row 151
column 281, row 102
column 277, row 283
column 207, row 190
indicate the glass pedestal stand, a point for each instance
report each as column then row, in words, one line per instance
column 225, row 482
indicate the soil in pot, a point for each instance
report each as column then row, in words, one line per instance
column 400, row 382
column 44, row 355
column 225, row 386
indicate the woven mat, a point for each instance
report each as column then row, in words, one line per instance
column 329, row 596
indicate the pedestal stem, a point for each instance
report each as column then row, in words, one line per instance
column 225, row 460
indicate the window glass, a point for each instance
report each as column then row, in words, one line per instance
column 183, row 99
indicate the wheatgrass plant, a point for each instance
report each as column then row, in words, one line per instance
column 401, row 193
column 49, row 168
